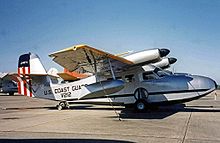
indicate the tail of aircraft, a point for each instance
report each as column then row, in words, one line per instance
column 28, row 65
column 34, row 81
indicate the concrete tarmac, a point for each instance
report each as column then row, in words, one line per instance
column 25, row 119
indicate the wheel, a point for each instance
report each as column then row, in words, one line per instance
column 59, row 107
column 140, row 105
column 67, row 105
column 140, row 96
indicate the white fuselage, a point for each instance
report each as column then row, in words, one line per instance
column 158, row 89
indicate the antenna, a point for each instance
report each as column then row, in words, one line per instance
column 173, row 69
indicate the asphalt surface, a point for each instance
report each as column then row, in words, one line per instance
column 24, row 119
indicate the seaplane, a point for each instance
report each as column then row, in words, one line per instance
column 90, row 75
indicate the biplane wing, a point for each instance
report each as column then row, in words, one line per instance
column 83, row 58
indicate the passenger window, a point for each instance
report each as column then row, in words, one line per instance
column 148, row 76
column 129, row 78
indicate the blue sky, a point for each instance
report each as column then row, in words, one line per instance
column 190, row 29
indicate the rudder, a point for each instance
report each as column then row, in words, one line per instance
column 28, row 64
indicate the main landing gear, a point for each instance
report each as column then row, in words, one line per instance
column 63, row 105
column 141, row 96
column 140, row 105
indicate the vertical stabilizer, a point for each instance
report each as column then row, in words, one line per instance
column 28, row 64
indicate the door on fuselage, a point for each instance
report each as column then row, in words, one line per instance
column 130, row 83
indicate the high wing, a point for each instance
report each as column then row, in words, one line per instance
column 83, row 58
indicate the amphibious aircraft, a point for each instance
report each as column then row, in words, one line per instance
column 94, row 76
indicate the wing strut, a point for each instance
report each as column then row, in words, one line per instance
column 95, row 65
column 95, row 70
column 113, row 74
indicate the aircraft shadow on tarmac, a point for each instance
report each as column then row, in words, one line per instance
column 129, row 113
column 62, row 141
column 164, row 111
column 154, row 113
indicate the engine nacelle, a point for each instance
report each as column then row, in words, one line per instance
column 163, row 63
column 147, row 56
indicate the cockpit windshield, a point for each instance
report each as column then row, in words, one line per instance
column 157, row 73
column 160, row 72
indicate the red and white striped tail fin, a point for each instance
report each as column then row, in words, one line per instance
column 24, row 84
column 28, row 64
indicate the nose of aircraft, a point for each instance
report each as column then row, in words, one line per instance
column 205, row 83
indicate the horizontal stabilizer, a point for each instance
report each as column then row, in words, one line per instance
column 71, row 76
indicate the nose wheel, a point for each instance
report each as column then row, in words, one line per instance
column 63, row 105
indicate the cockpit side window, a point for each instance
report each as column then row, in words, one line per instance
column 149, row 76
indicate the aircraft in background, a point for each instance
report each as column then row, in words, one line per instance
column 95, row 76
column 7, row 85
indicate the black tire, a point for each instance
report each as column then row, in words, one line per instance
column 61, row 106
column 140, row 105
column 67, row 106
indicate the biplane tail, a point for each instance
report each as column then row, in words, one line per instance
column 28, row 65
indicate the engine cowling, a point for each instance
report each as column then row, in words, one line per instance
column 147, row 56
column 163, row 63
